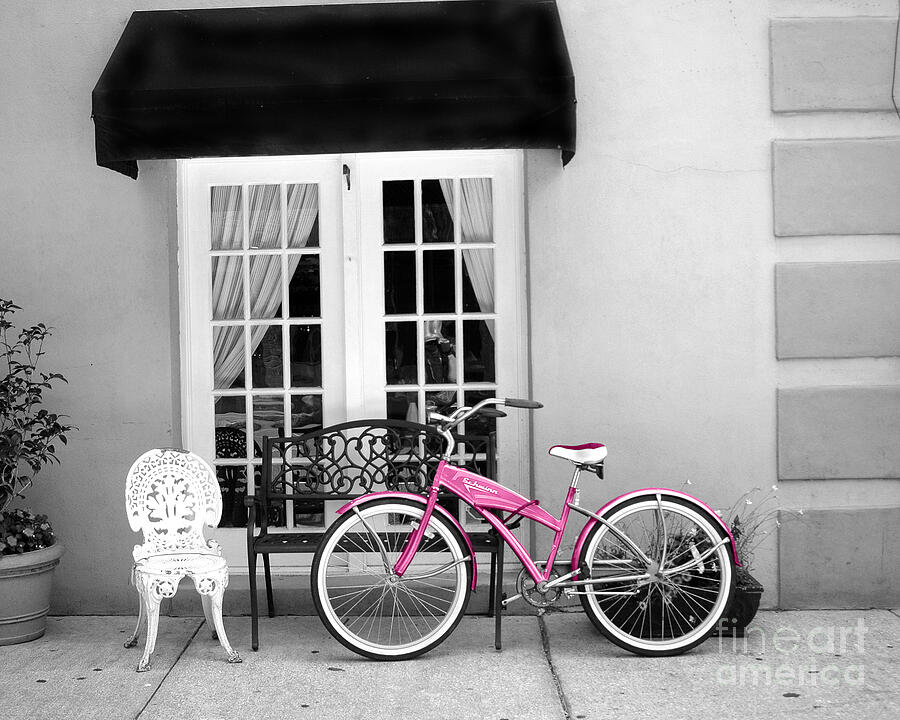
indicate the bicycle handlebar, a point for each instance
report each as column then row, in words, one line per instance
column 519, row 403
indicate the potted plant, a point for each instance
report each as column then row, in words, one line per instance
column 752, row 517
column 29, row 433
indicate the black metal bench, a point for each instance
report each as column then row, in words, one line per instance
column 342, row 462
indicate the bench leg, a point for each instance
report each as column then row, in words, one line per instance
column 498, row 597
column 270, row 600
column 491, row 589
column 254, row 603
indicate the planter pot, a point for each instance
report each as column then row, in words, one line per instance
column 743, row 607
column 25, row 582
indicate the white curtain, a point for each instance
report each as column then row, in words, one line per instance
column 476, row 209
column 265, row 271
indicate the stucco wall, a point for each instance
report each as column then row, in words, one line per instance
column 652, row 262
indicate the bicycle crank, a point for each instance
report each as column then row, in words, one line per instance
column 538, row 594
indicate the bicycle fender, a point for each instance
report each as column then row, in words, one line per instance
column 652, row 492
column 422, row 501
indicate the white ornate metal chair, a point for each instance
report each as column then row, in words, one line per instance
column 169, row 495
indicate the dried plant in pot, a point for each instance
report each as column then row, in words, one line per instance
column 29, row 438
column 753, row 516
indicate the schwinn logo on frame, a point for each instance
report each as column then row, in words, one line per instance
column 475, row 485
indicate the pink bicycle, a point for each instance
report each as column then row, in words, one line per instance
column 654, row 568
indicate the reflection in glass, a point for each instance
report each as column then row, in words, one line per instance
column 306, row 355
column 303, row 292
column 227, row 288
column 231, row 426
column 399, row 211
column 478, row 280
column 265, row 286
column 226, row 217
column 477, row 209
column 267, row 365
column 303, row 216
column 268, row 419
column 478, row 341
column 441, row 401
column 440, row 352
column 439, row 281
column 306, row 413
column 479, row 424
column 403, row 406
column 399, row 282
column 265, row 216
column 401, row 367
column 310, row 513
column 437, row 211
column 233, row 486
column 228, row 357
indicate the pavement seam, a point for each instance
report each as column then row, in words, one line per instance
column 896, row 612
column 171, row 667
column 560, row 693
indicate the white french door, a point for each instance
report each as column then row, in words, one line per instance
column 319, row 289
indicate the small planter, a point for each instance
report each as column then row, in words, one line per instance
column 25, row 583
column 743, row 607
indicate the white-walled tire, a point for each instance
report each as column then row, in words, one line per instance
column 367, row 609
column 664, row 616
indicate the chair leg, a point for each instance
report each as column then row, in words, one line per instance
column 207, row 613
column 152, row 604
column 270, row 599
column 498, row 598
column 132, row 641
column 217, row 597
column 254, row 602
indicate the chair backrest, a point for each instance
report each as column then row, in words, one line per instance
column 169, row 495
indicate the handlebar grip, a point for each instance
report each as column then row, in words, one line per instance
column 519, row 403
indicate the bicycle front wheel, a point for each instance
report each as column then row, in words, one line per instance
column 681, row 596
column 369, row 609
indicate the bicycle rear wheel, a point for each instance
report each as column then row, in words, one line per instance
column 671, row 611
column 370, row 610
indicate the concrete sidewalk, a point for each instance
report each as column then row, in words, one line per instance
column 817, row 664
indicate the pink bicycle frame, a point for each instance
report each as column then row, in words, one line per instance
column 486, row 495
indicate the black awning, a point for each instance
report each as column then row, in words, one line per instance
column 336, row 78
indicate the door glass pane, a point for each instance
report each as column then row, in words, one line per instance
column 443, row 401
column 439, row 281
column 478, row 341
column 478, row 280
column 306, row 413
column 399, row 282
column 268, row 419
column 401, row 348
column 231, row 427
column 306, row 355
column 265, row 286
column 302, row 216
column 477, row 210
column 403, row 406
column 233, row 486
column 440, row 352
column 437, row 211
column 226, row 215
column 228, row 357
column 227, row 288
column 267, row 359
column 479, row 424
column 399, row 213
column 265, row 216
column 303, row 292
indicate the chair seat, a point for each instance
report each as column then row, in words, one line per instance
column 587, row 454
column 180, row 564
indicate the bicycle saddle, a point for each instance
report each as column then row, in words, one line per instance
column 587, row 454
